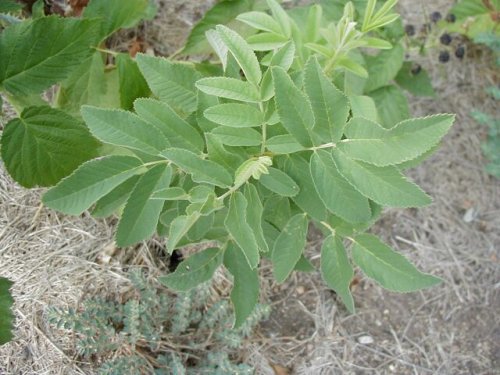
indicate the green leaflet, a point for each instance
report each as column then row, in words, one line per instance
column 217, row 153
column 384, row 185
column 6, row 303
column 235, row 115
column 390, row 269
column 281, row 17
column 330, row 106
column 254, row 167
column 195, row 270
column 336, row 269
column 179, row 227
column 336, row 193
column 229, row 88
column 392, row 105
column 283, row 144
column 173, row 83
column 90, row 182
column 132, row 83
column 141, row 213
column 237, row 136
column 284, row 56
column 362, row 128
column 242, row 52
column 44, row 145
column 116, row 14
column 384, row 67
column 364, row 106
column 266, row 41
column 123, row 128
column 260, row 21
column 237, row 226
column 115, row 199
column 405, row 141
column 255, row 211
column 176, row 130
column 289, row 247
column 280, row 183
column 418, row 84
column 171, row 194
column 245, row 292
column 293, row 107
column 201, row 170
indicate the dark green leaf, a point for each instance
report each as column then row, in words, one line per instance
column 418, row 84
column 279, row 182
column 132, row 83
column 116, row 198
column 6, row 303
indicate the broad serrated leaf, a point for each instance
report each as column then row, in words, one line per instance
column 390, row 269
column 243, row 54
column 283, row 144
column 237, row 136
column 44, row 145
column 330, row 106
column 195, row 270
column 260, row 21
column 293, row 107
column 289, row 246
column 200, row 170
column 123, row 128
column 336, row 193
column 405, row 141
column 336, row 269
column 171, row 82
column 418, row 83
column 384, row 185
column 280, row 183
column 307, row 198
column 38, row 53
column 6, row 303
column 90, row 182
column 116, row 14
column 132, row 83
column 235, row 115
column 245, row 292
column 255, row 211
column 229, row 88
column 392, row 105
column 115, row 199
column 384, row 67
column 141, row 213
column 176, row 130
column 237, row 226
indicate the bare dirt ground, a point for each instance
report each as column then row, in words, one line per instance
column 451, row 329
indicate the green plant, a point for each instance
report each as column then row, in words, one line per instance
column 7, row 317
column 295, row 124
column 130, row 337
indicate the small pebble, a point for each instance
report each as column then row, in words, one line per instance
column 365, row 340
column 300, row 290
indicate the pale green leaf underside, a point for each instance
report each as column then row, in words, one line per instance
column 289, row 246
column 283, row 144
column 390, row 269
column 237, row 136
column 235, row 115
column 229, row 88
column 336, row 269
column 90, row 182
column 195, row 270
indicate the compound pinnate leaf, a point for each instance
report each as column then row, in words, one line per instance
column 195, row 270
column 200, row 169
column 336, row 269
column 293, row 107
column 176, row 130
column 384, row 185
column 38, row 53
column 280, row 183
column 44, row 145
column 237, row 226
column 90, row 182
column 336, row 193
column 245, row 292
column 235, row 115
column 141, row 213
column 330, row 106
column 390, row 269
column 229, row 88
column 6, row 302
column 171, row 82
column 289, row 247
column 242, row 52
column 123, row 128
column 405, row 141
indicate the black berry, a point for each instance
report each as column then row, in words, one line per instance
column 445, row 39
column 410, row 30
column 450, row 17
column 436, row 16
column 460, row 52
column 415, row 69
column 444, row 56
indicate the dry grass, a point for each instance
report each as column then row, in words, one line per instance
column 451, row 329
